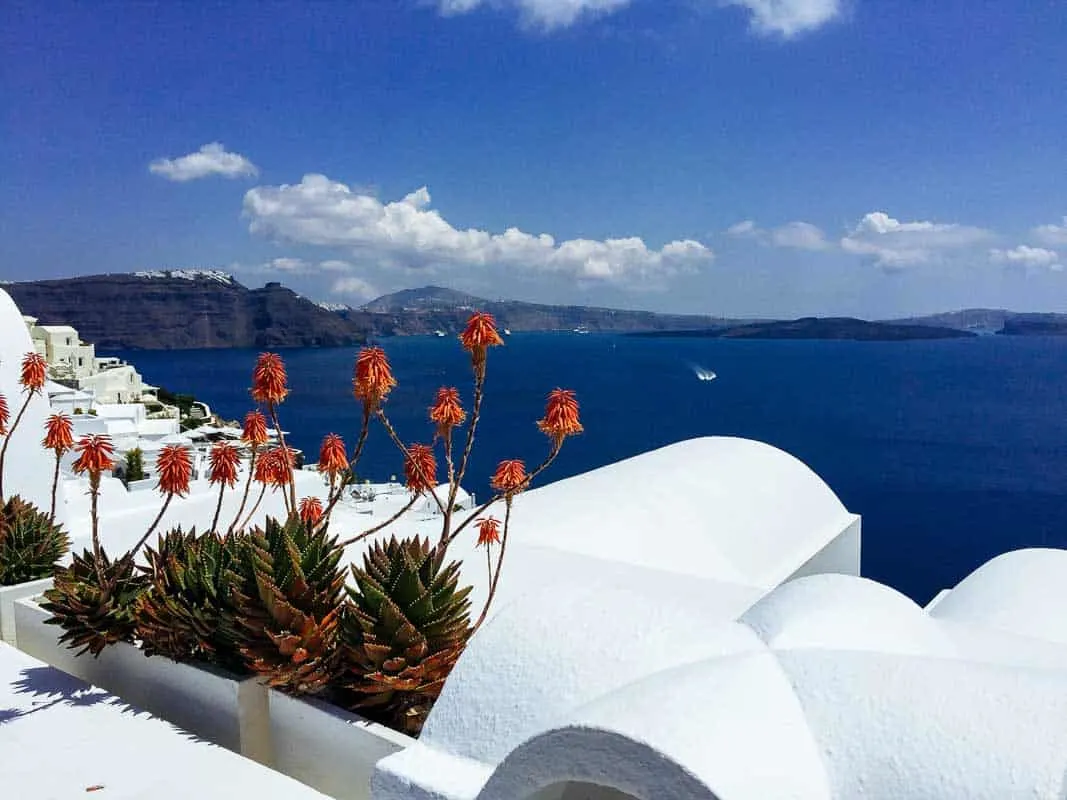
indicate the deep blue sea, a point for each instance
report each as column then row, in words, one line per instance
column 952, row 451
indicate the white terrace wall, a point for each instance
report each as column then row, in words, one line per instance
column 28, row 466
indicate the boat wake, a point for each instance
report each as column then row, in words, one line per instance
column 703, row 374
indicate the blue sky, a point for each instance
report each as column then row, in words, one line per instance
column 741, row 157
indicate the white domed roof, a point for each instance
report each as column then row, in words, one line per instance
column 727, row 727
column 718, row 507
column 545, row 654
column 843, row 612
column 1022, row 592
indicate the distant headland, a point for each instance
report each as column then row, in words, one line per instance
column 184, row 309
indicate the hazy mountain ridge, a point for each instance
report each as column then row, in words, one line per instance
column 159, row 311
column 178, row 309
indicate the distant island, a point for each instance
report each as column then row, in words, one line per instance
column 840, row 328
column 184, row 309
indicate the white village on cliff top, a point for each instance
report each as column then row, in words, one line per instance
column 747, row 660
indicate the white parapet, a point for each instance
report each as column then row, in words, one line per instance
column 228, row 710
column 8, row 596
column 62, row 738
column 328, row 748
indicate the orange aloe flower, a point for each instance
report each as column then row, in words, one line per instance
column 446, row 410
column 94, row 454
column 479, row 335
column 488, row 531
column 224, row 460
column 510, row 477
column 269, row 379
column 420, row 468
column 174, row 470
column 5, row 415
column 255, row 428
column 561, row 416
column 272, row 468
column 373, row 378
column 34, row 372
column 310, row 510
column 333, row 458
column 58, row 433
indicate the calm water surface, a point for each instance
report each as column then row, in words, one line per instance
column 952, row 451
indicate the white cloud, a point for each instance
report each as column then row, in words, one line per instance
column 799, row 235
column 211, row 159
column 788, row 18
column 1052, row 234
column 547, row 14
column 356, row 288
column 408, row 233
column 895, row 245
column 744, row 228
column 1025, row 256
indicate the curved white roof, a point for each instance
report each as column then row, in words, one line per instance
column 830, row 687
column 728, row 508
column 848, row 613
column 618, row 637
column 1022, row 592
column 28, row 464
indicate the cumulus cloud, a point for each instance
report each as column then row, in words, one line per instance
column 744, row 228
column 547, row 14
column 1026, row 256
column 409, row 233
column 788, row 18
column 797, row 235
column 1052, row 234
column 894, row 245
column 211, row 159
column 355, row 287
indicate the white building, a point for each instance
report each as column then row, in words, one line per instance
column 74, row 362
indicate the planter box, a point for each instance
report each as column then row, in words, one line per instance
column 228, row 710
column 329, row 748
column 8, row 596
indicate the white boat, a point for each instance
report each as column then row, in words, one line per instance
column 704, row 374
column 507, row 331
column 438, row 333
column 581, row 329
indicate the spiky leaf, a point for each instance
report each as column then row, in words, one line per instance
column 188, row 612
column 93, row 601
column 407, row 624
column 289, row 602
column 30, row 544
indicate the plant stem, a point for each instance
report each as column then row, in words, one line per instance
column 55, row 485
column 7, row 439
column 290, row 504
column 218, row 507
column 255, row 507
column 363, row 431
column 454, row 482
column 248, row 485
column 407, row 456
column 529, row 479
column 386, row 524
column 499, row 565
column 94, row 493
column 152, row 527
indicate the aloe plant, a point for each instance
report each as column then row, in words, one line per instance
column 407, row 624
column 93, row 600
column 187, row 611
column 30, row 544
column 288, row 594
